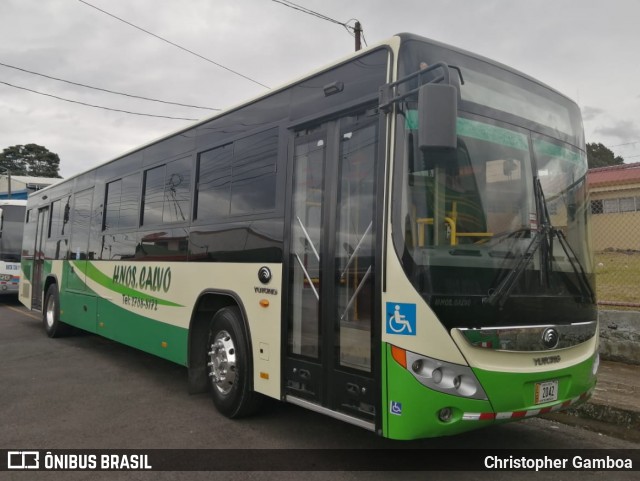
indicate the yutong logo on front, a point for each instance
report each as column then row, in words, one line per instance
column 550, row 338
column 543, row 361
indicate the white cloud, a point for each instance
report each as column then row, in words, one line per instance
column 624, row 130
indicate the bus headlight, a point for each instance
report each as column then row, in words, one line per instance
column 444, row 376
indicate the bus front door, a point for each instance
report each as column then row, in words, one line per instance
column 330, row 361
column 38, row 272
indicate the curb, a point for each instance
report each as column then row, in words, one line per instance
column 620, row 336
column 602, row 418
column 609, row 414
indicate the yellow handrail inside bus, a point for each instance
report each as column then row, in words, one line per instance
column 451, row 221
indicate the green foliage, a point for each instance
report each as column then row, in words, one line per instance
column 31, row 160
column 599, row 155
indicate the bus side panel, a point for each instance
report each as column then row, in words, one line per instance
column 78, row 310
column 101, row 310
column 149, row 306
column 78, row 306
column 135, row 330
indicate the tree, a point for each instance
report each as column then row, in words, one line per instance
column 32, row 160
column 599, row 155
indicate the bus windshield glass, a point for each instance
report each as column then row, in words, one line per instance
column 11, row 220
column 482, row 89
column 495, row 232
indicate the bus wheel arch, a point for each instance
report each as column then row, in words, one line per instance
column 210, row 306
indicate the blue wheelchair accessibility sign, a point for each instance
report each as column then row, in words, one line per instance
column 395, row 408
column 401, row 319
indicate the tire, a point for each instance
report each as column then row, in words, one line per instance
column 230, row 366
column 53, row 326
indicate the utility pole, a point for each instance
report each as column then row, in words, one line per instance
column 358, row 31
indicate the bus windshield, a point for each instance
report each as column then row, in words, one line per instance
column 11, row 222
column 495, row 233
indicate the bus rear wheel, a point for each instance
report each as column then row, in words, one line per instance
column 229, row 365
column 53, row 326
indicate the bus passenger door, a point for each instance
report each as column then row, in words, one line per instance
column 79, row 301
column 330, row 360
column 38, row 272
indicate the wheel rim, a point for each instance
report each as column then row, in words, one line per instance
column 50, row 315
column 222, row 361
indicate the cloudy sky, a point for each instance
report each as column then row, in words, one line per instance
column 586, row 49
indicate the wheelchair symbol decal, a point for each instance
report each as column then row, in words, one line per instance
column 401, row 319
column 395, row 408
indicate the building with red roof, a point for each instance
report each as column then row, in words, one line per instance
column 615, row 205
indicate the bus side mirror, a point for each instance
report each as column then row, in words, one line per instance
column 437, row 115
column 1, row 222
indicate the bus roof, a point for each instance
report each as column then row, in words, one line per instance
column 393, row 41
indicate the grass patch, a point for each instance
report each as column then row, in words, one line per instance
column 618, row 276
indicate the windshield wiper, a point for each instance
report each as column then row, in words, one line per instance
column 547, row 259
column 543, row 236
column 577, row 267
column 501, row 293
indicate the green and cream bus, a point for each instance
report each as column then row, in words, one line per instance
column 399, row 241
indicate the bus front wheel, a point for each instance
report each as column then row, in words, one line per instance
column 229, row 365
column 53, row 326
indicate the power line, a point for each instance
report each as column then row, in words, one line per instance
column 106, row 90
column 308, row 11
column 175, row 45
column 313, row 13
column 94, row 106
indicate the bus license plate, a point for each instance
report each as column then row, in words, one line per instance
column 546, row 392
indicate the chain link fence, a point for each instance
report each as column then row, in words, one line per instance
column 615, row 223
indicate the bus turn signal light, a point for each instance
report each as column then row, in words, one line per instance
column 400, row 356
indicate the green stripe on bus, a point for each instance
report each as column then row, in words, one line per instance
column 543, row 147
column 479, row 130
column 492, row 133
column 102, row 316
column 155, row 337
column 93, row 273
column 26, row 266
